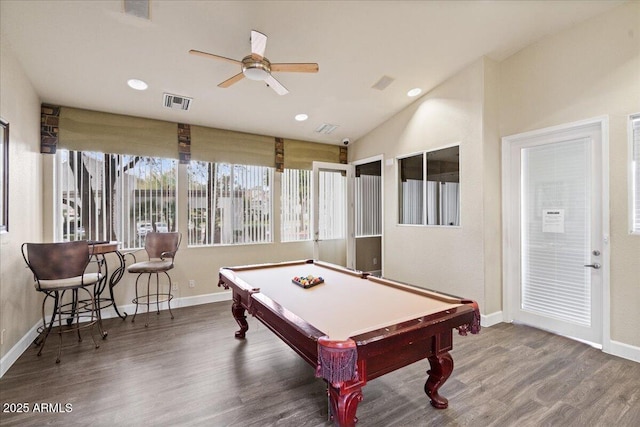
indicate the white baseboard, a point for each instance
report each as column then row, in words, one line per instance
column 488, row 320
column 625, row 351
column 21, row 346
column 12, row 355
column 109, row 312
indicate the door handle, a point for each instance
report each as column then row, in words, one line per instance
column 595, row 265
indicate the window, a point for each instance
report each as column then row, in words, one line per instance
column 332, row 205
column 113, row 197
column 411, row 191
column 229, row 204
column 4, row 176
column 296, row 205
column 634, row 173
column 368, row 199
column 436, row 200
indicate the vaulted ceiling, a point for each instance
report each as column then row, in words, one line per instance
column 81, row 54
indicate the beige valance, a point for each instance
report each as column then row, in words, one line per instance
column 225, row 146
column 89, row 130
column 301, row 154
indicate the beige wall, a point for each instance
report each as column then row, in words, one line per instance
column 590, row 70
column 20, row 106
column 449, row 259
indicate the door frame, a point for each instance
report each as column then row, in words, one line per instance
column 350, row 232
column 511, row 207
column 376, row 158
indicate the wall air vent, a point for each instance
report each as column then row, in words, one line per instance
column 177, row 102
column 326, row 128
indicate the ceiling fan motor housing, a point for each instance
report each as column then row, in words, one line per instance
column 256, row 69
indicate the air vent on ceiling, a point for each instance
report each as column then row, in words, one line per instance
column 177, row 102
column 383, row 83
column 138, row 8
column 326, row 128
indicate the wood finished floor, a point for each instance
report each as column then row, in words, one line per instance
column 192, row 372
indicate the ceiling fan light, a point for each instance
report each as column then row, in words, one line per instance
column 255, row 73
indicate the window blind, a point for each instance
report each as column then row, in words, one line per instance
column 555, row 283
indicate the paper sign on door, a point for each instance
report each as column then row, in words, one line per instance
column 553, row 220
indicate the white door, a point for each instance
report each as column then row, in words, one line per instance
column 333, row 213
column 555, row 241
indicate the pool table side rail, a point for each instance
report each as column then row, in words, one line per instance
column 417, row 290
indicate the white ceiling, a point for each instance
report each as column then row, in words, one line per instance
column 81, row 53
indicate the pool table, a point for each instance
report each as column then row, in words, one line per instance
column 353, row 327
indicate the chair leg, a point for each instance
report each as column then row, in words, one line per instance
column 146, row 325
column 98, row 310
column 48, row 329
column 59, row 329
column 93, row 318
column 135, row 300
column 76, row 313
column 169, row 295
column 157, row 294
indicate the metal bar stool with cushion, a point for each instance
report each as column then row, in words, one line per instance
column 161, row 249
column 58, row 268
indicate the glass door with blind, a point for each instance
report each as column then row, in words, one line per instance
column 333, row 213
column 555, row 250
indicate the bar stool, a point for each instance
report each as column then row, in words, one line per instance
column 161, row 250
column 58, row 268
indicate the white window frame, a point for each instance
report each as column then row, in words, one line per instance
column 262, row 238
column 634, row 174
column 127, row 231
column 425, row 187
column 286, row 206
column 423, row 220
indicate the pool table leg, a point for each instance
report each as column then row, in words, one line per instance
column 344, row 403
column 239, row 314
column 441, row 368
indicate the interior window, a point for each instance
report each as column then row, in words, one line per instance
column 443, row 186
column 411, row 191
column 436, row 199
column 634, row 198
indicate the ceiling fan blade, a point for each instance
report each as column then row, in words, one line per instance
column 231, row 80
column 211, row 55
column 296, row 67
column 258, row 44
column 276, row 85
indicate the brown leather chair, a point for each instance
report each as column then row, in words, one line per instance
column 161, row 250
column 58, row 268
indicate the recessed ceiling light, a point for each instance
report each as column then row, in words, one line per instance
column 137, row 84
column 301, row 117
column 414, row 92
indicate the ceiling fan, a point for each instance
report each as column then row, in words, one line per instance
column 256, row 67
